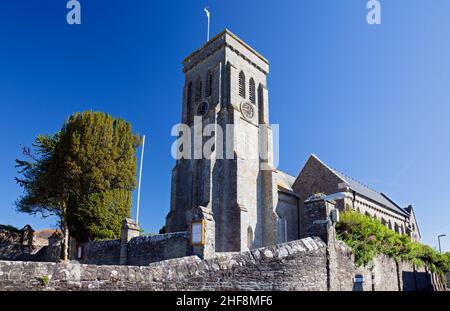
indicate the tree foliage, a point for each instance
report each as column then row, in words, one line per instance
column 98, row 152
column 84, row 175
column 99, row 215
column 368, row 238
column 46, row 191
column 41, row 178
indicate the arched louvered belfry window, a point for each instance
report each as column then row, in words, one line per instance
column 242, row 84
column 252, row 89
column 199, row 90
column 261, row 104
column 209, row 82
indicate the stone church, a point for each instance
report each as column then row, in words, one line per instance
column 244, row 202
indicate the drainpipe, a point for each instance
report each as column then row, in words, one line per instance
column 354, row 199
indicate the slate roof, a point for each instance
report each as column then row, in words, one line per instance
column 285, row 181
column 367, row 192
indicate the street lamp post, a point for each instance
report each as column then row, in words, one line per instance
column 439, row 240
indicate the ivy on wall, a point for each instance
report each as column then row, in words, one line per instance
column 368, row 238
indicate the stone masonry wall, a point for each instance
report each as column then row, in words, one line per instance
column 144, row 250
column 298, row 265
column 302, row 265
column 101, row 252
column 141, row 250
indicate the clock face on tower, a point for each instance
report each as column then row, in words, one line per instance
column 247, row 110
column 203, row 109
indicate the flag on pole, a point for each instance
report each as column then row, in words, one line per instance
column 208, row 15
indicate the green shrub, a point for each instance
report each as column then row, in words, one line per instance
column 368, row 238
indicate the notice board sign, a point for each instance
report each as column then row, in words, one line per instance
column 198, row 233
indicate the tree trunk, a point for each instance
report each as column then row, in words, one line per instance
column 65, row 246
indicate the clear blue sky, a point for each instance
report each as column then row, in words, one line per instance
column 371, row 101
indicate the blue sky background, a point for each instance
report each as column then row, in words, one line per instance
column 371, row 101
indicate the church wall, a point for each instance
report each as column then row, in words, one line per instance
column 249, row 188
column 365, row 206
column 317, row 178
column 287, row 210
column 314, row 178
column 231, row 189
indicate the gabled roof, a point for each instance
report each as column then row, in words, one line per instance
column 46, row 233
column 365, row 191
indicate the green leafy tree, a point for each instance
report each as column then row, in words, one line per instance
column 99, row 215
column 98, row 152
column 84, row 175
column 43, row 180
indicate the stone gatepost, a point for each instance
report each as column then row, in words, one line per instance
column 130, row 229
column 320, row 215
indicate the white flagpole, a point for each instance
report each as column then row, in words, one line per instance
column 208, row 14
column 140, row 179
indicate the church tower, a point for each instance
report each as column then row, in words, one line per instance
column 233, row 190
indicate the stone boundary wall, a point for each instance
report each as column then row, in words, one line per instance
column 144, row 250
column 303, row 265
column 298, row 265
column 141, row 250
column 383, row 274
column 100, row 252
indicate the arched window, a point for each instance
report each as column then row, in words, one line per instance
column 242, row 84
column 209, row 82
column 252, row 89
column 199, row 90
column 249, row 237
